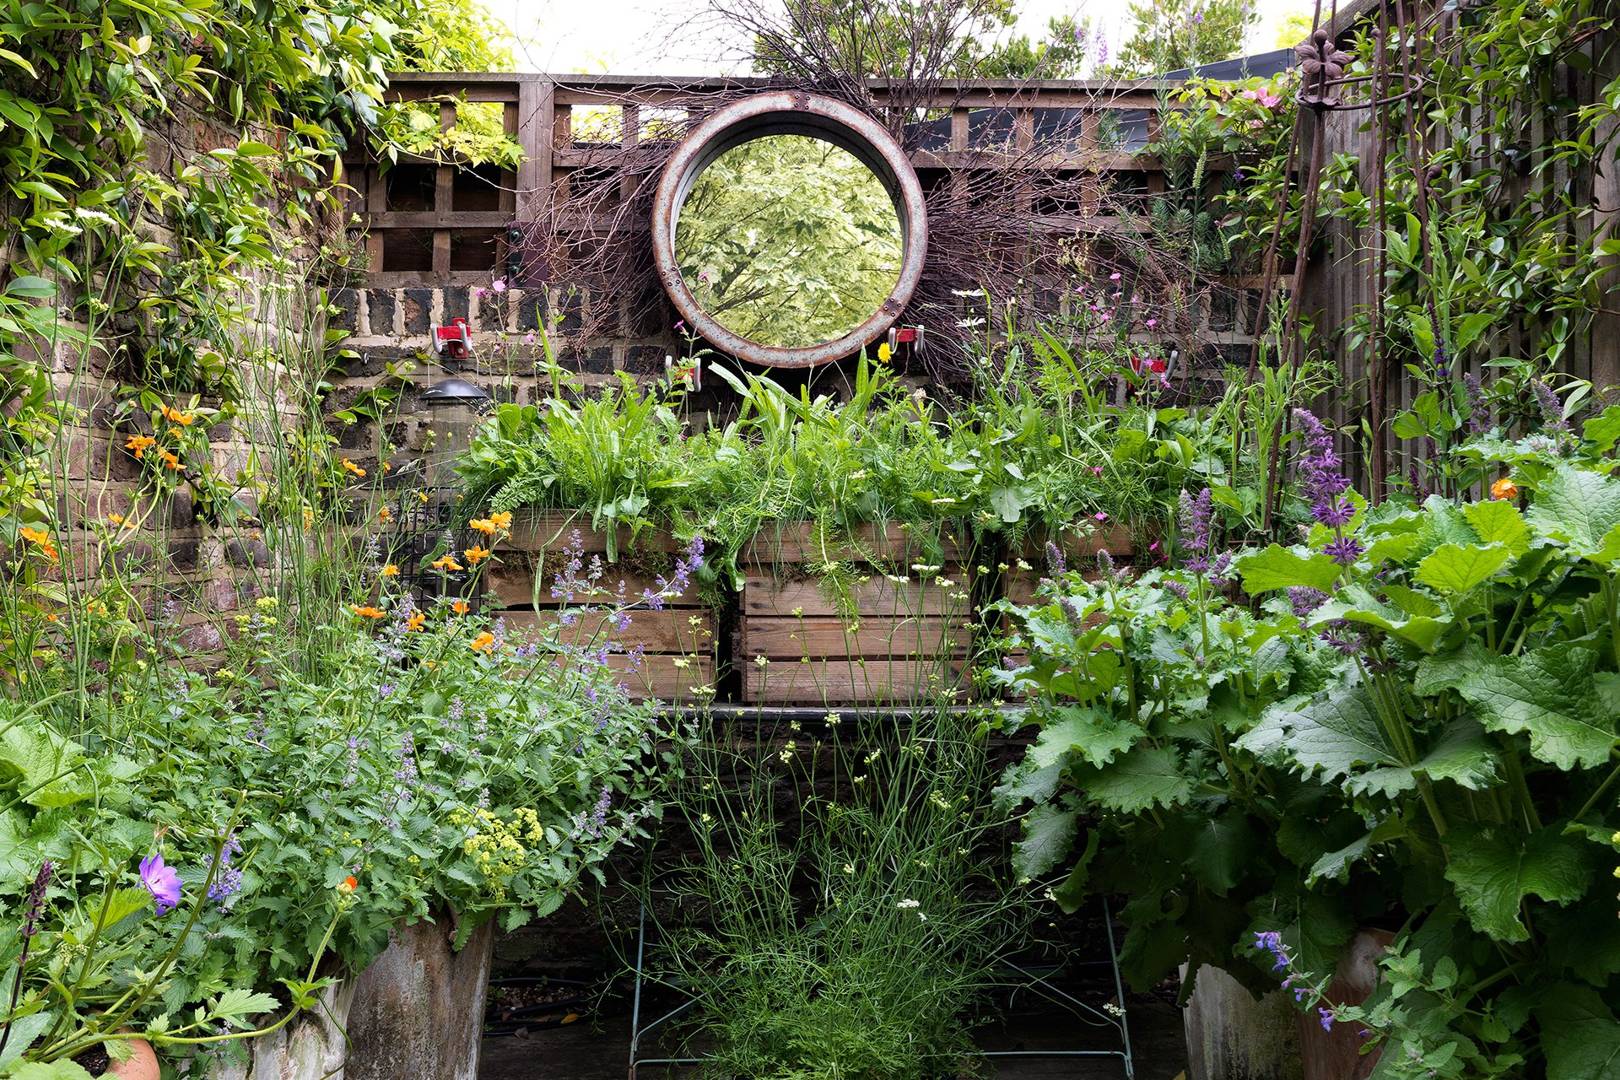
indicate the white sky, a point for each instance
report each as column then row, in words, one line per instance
column 673, row 37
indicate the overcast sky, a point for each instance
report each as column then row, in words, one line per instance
column 672, row 37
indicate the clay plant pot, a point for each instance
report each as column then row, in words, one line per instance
column 142, row 1063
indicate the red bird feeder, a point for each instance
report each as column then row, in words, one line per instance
column 453, row 340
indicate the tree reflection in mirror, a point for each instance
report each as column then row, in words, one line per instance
column 788, row 240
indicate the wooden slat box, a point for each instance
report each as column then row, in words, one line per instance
column 894, row 634
column 677, row 644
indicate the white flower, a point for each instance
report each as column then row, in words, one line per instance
column 907, row 905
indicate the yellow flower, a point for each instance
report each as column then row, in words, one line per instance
column 483, row 525
column 390, row 571
column 484, row 642
column 416, row 621
column 502, row 520
column 476, row 555
column 446, row 562
column 115, row 519
column 885, row 354
column 175, row 416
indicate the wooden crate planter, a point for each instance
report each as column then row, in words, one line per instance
column 677, row 644
column 896, row 635
column 1026, row 565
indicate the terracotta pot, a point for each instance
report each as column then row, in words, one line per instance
column 1336, row 1054
column 142, row 1063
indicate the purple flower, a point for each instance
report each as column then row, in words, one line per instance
column 1552, row 410
column 1055, row 563
column 1196, row 513
column 1479, row 412
column 228, row 882
column 34, row 908
column 1327, row 1018
column 1178, row 589
column 1304, row 599
column 1343, row 550
column 1271, row 941
column 162, row 882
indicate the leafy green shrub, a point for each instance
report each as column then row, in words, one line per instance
column 1414, row 728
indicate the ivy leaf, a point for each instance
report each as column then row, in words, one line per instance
column 1144, row 778
column 1336, row 735
column 1577, row 505
column 1277, row 567
column 1454, row 569
column 1049, row 832
column 1092, row 733
column 1498, row 521
column 1549, row 694
column 1579, row 1033
column 1493, row 870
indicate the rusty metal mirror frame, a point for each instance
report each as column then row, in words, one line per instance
column 790, row 113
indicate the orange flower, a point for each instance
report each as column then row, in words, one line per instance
column 460, row 607
column 171, row 461
column 446, row 562
column 502, row 520
column 140, row 444
column 390, row 571
column 354, row 470
column 476, row 555
column 1504, row 488
column 416, row 621
column 484, row 642
column 175, row 416
column 385, row 515
column 483, row 525
column 348, row 885
column 493, row 524
column 41, row 539
column 367, row 611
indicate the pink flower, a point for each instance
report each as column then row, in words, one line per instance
column 680, row 326
column 1114, row 276
column 162, row 882
column 1270, row 101
column 1096, row 470
column 1151, row 323
column 1100, row 516
column 528, row 339
column 499, row 285
column 479, row 292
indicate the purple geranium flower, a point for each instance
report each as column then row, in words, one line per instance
column 162, row 882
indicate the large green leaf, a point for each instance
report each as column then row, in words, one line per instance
column 1418, row 630
column 1276, row 567
column 1336, row 735
column 1580, row 1034
column 1549, row 694
column 1049, row 832
column 1337, row 864
column 1494, row 869
column 1462, row 755
column 1455, row 568
column 1498, row 521
column 1090, row 732
column 1141, row 779
column 1577, row 505
column 48, row 770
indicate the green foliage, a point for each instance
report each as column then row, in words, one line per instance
column 1422, row 738
column 893, row 837
column 1167, row 35
column 788, row 240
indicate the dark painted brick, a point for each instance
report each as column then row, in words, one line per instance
column 418, row 307
column 247, row 554
column 346, row 310
column 380, row 311
column 644, row 360
column 529, row 309
column 456, row 301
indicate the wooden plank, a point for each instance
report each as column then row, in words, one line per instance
column 822, row 637
column 552, row 530
column 440, row 219
column 681, row 631
column 855, row 682
column 763, row 594
column 796, row 542
column 535, row 123
column 511, row 581
column 667, row 678
column 1081, row 541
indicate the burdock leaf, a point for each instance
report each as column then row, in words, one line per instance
column 1494, row 869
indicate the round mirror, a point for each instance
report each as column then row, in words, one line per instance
column 789, row 229
column 789, row 240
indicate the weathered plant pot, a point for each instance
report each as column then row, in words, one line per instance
column 142, row 1063
column 675, row 661
column 312, row 1047
column 907, row 639
column 1335, row 1054
column 1232, row 1035
column 419, row 1008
